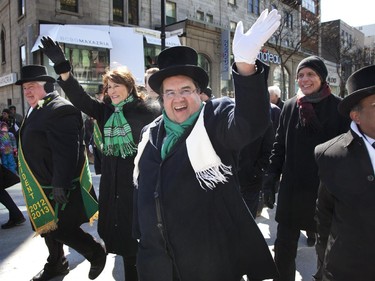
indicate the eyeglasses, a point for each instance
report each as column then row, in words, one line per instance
column 183, row 93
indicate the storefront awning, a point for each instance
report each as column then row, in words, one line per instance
column 153, row 37
column 74, row 35
column 169, row 42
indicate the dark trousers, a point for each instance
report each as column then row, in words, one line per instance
column 250, row 193
column 75, row 238
column 286, row 245
column 251, row 198
column 130, row 268
column 5, row 199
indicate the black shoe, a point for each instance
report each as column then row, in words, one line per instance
column 48, row 273
column 98, row 264
column 13, row 223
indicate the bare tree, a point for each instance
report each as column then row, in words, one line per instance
column 347, row 55
column 298, row 31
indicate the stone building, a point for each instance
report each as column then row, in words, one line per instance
column 97, row 34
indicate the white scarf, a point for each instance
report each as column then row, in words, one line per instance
column 207, row 165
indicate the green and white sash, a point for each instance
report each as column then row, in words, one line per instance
column 42, row 216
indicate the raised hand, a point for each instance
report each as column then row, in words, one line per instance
column 52, row 50
column 246, row 46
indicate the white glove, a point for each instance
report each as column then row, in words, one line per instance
column 91, row 149
column 246, row 46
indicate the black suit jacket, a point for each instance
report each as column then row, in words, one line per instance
column 52, row 143
column 345, row 209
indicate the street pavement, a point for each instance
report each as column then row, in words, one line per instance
column 22, row 255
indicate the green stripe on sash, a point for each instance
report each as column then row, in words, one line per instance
column 41, row 213
column 43, row 217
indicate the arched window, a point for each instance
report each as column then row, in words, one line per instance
column 204, row 62
column 2, row 43
column 278, row 81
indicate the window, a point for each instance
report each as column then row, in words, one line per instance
column 200, row 15
column 133, row 12
column 2, row 43
column 118, row 10
column 309, row 5
column 69, row 5
column 289, row 20
column 232, row 25
column 209, row 18
column 278, row 81
column 170, row 12
column 21, row 7
column 232, row 2
column 253, row 6
column 22, row 55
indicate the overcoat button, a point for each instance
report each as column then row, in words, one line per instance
column 370, row 178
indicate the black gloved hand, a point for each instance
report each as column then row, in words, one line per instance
column 268, row 189
column 59, row 195
column 52, row 50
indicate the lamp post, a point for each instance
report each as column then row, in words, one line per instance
column 162, row 33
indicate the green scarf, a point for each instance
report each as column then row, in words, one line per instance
column 118, row 138
column 175, row 131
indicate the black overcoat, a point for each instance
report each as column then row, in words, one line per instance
column 208, row 235
column 345, row 209
column 52, row 143
column 116, row 183
column 293, row 157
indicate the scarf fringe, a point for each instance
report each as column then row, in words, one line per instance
column 94, row 218
column 213, row 175
column 125, row 150
column 51, row 226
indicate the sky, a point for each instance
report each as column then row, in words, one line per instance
column 354, row 13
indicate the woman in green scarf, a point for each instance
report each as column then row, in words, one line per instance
column 121, row 116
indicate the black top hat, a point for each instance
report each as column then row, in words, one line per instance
column 180, row 60
column 34, row 73
column 359, row 85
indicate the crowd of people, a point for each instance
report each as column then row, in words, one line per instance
column 184, row 174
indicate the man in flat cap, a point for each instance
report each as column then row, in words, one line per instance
column 345, row 208
column 56, row 182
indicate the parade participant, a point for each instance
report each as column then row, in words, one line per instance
column 206, row 94
column 55, row 178
column 190, row 218
column 306, row 120
column 345, row 207
column 121, row 116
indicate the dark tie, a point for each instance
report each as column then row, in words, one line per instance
column 373, row 144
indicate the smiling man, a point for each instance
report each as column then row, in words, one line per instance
column 308, row 119
column 58, row 193
column 190, row 218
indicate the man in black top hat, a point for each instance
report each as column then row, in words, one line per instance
column 190, row 218
column 55, row 181
column 345, row 206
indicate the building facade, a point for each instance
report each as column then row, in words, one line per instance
column 97, row 34
column 342, row 45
